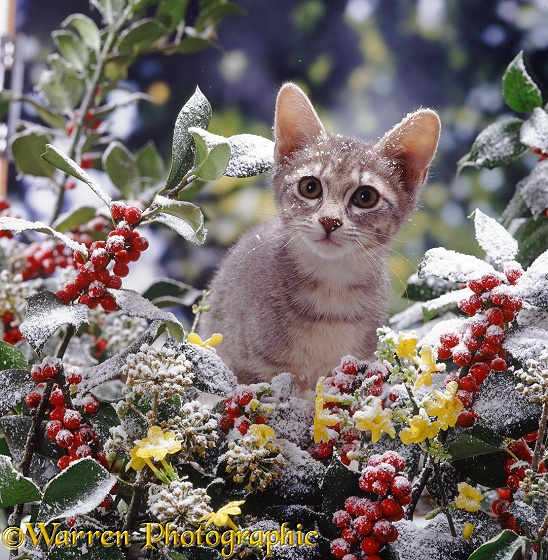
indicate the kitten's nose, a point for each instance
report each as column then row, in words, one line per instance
column 329, row 224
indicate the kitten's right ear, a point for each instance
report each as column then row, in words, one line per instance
column 296, row 123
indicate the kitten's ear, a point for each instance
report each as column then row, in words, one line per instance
column 412, row 144
column 295, row 123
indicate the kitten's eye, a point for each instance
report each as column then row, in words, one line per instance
column 310, row 187
column 365, row 197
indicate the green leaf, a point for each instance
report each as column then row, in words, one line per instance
column 532, row 238
column 14, row 487
column 49, row 116
column 61, row 161
column 135, row 305
column 72, row 49
column 196, row 112
column 487, row 470
column 193, row 44
column 502, row 547
column 422, row 289
column 434, row 307
column 496, row 145
column 74, row 218
column 167, row 292
column 516, row 208
column 192, row 190
column 17, row 225
column 11, row 357
column 183, row 217
column 93, row 552
column 518, row 88
column 171, row 12
column 480, row 440
column 210, row 162
column 534, row 131
column 339, row 482
column 45, row 314
column 77, row 490
column 214, row 14
column 534, row 189
column 62, row 85
column 27, row 148
column 141, row 35
column 16, row 384
column 104, row 419
column 122, row 169
column 111, row 10
column 17, row 428
column 87, row 29
column 150, row 163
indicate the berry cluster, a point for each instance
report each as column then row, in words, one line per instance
column 366, row 522
column 94, row 279
column 478, row 347
column 350, row 376
column 11, row 332
column 4, row 205
column 43, row 258
column 243, row 409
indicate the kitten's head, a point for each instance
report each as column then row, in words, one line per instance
column 333, row 192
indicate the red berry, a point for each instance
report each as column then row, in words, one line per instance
column 339, row 548
column 390, row 507
column 141, row 244
column 385, row 472
column 244, row 397
column 351, row 504
column 91, row 406
column 380, row 488
column 133, row 255
column 117, row 210
column 52, row 429
column 498, row 364
column 401, row 486
column 242, row 424
column 513, row 275
column 96, row 289
column 37, row 374
column 58, row 413
column 63, row 462
column 479, row 371
column 349, row 365
column 490, row 281
column 115, row 244
column 512, row 482
column 471, row 305
column 100, row 258
column 395, row 459
column 531, row 437
column 478, row 325
column 323, row 450
column 114, row 282
column 72, row 419
column 86, row 162
column 350, row 535
column 120, row 269
column 64, row 438
column 475, row 285
column 449, row 339
column 471, row 342
column 363, row 525
column 370, row 510
column 444, row 353
column 370, row 545
column 385, row 531
column 33, row 399
column 57, row 398
column 108, row 303
column 468, row 383
column 461, row 355
column 132, row 215
column 508, row 314
column 225, row 423
column 121, row 257
column 494, row 316
column 231, row 406
column 341, row 518
column 466, row 419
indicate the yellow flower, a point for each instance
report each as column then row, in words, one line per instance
column 155, row 446
column 322, row 418
column 420, row 428
column 406, row 346
column 469, row 498
column 446, row 406
column 375, row 419
column 262, row 432
column 427, row 366
column 221, row 517
column 467, row 531
column 213, row 340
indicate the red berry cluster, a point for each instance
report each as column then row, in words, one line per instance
column 366, row 523
column 94, row 279
column 239, row 414
column 11, row 332
column 4, row 205
column 43, row 258
column 478, row 347
column 347, row 378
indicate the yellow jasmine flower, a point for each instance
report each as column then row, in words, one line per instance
column 221, row 517
column 155, row 446
column 375, row 419
column 420, row 428
column 213, row 340
column 262, row 432
column 406, row 346
column 322, row 417
column 446, row 406
column 428, row 365
column 467, row 531
column 469, row 498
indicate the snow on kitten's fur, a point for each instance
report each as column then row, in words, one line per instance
column 311, row 286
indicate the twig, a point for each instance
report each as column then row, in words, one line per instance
column 444, row 507
column 418, row 488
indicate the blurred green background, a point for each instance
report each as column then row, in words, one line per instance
column 365, row 64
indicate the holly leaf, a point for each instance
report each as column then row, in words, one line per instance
column 519, row 90
column 210, row 162
column 74, row 218
column 140, row 35
column 534, row 131
column 499, row 246
column 166, row 292
column 11, row 357
column 452, row 266
column 532, row 236
column 27, row 148
column 480, row 440
column 533, row 189
column 526, row 343
column 45, row 314
column 121, row 166
column 14, row 487
column 503, row 547
column 16, row 385
column 533, row 284
column 87, row 29
column 72, row 48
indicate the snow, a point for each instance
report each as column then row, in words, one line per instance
column 533, row 284
column 534, row 131
column 533, row 189
column 499, row 246
column 526, row 343
column 453, row 266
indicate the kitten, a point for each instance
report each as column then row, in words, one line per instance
column 311, row 286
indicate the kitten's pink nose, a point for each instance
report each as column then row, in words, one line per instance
column 330, row 224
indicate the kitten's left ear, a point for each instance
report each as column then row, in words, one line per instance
column 412, row 144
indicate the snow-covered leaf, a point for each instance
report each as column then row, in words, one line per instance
column 496, row 145
column 27, row 148
column 121, row 167
column 71, row 48
column 534, row 188
column 61, row 161
column 518, row 88
column 11, row 357
column 498, row 244
column 87, row 29
column 338, row 483
column 480, row 440
column 450, row 265
column 425, row 289
column 17, row 225
column 526, row 343
column 196, row 112
column 250, row 155
column 16, row 384
column 211, row 374
column 534, row 131
column 45, row 314
column 14, row 487
column 533, row 317
column 186, row 221
column 77, row 490
column 166, row 292
column 135, row 305
column 533, row 284
column 532, row 237
column 502, row 547
column 447, row 301
column 210, row 160
column 77, row 216
column 17, row 429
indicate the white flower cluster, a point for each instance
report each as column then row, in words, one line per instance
column 195, row 428
column 260, row 465
column 180, row 503
column 158, row 371
column 535, row 380
column 121, row 331
column 13, row 292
